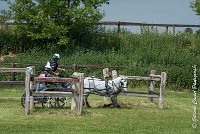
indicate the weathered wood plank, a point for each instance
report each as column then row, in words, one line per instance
column 155, row 76
column 2, row 70
column 139, row 78
column 53, row 94
column 31, row 104
column 162, row 89
column 139, row 94
column 12, row 83
column 81, row 88
column 27, row 89
column 55, row 79
column 152, row 83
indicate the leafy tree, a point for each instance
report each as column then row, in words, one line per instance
column 58, row 21
column 195, row 5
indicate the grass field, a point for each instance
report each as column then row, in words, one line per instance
column 136, row 115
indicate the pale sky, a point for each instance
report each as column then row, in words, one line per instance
column 148, row 11
column 151, row 11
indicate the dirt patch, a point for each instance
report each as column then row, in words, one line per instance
column 8, row 55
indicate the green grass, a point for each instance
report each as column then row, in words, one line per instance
column 136, row 115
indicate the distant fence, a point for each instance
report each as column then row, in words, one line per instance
column 167, row 26
column 121, row 23
column 74, row 67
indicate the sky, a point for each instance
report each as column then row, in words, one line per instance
column 148, row 11
column 151, row 11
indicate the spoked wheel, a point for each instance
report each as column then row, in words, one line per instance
column 23, row 99
column 53, row 102
column 37, row 99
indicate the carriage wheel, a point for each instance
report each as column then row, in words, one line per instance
column 23, row 99
column 37, row 99
column 64, row 102
column 48, row 102
column 52, row 102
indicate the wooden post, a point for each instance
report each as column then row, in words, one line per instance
column 162, row 89
column 74, row 102
column 74, row 66
column 81, row 86
column 105, row 76
column 118, row 27
column 174, row 30
column 74, row 98
column 152, row 85
column 31, row 104
column 114, row 74
column 27, row 89
column 31, row 87
column 105, row 73
column 167, row 29
column 32, row 75
column 14, row 73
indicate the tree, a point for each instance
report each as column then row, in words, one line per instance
column 195, row 5
column 54, row 20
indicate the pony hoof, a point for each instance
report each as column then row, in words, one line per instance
column 88, row 106
column 116, row 106
column 107, row 105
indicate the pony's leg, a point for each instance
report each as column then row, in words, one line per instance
column 114, row 101
column 86, row 101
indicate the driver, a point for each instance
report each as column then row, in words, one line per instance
column 54, row 65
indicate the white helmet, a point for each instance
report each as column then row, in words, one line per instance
column 48, row 65
column 56, row 56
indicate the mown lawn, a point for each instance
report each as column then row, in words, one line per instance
column 136, row 115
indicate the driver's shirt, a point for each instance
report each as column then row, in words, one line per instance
column 54, row 65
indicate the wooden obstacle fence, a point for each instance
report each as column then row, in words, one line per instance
column 30, row 81
column 76, row 95
column 151, row 93
column 13, row 70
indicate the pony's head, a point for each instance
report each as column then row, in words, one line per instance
column 124, row 83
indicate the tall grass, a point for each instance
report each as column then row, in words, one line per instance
column 140, row 53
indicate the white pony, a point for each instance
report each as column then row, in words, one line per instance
column 102, row 87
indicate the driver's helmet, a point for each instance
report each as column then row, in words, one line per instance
column 56, row 56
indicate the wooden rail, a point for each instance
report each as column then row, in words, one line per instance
column 12, row 83
column 55, row 79
column 53, row 94
column 119, row 23
column 3, row 70
column 13, row 71
column 139, row 78
column 74, row 67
